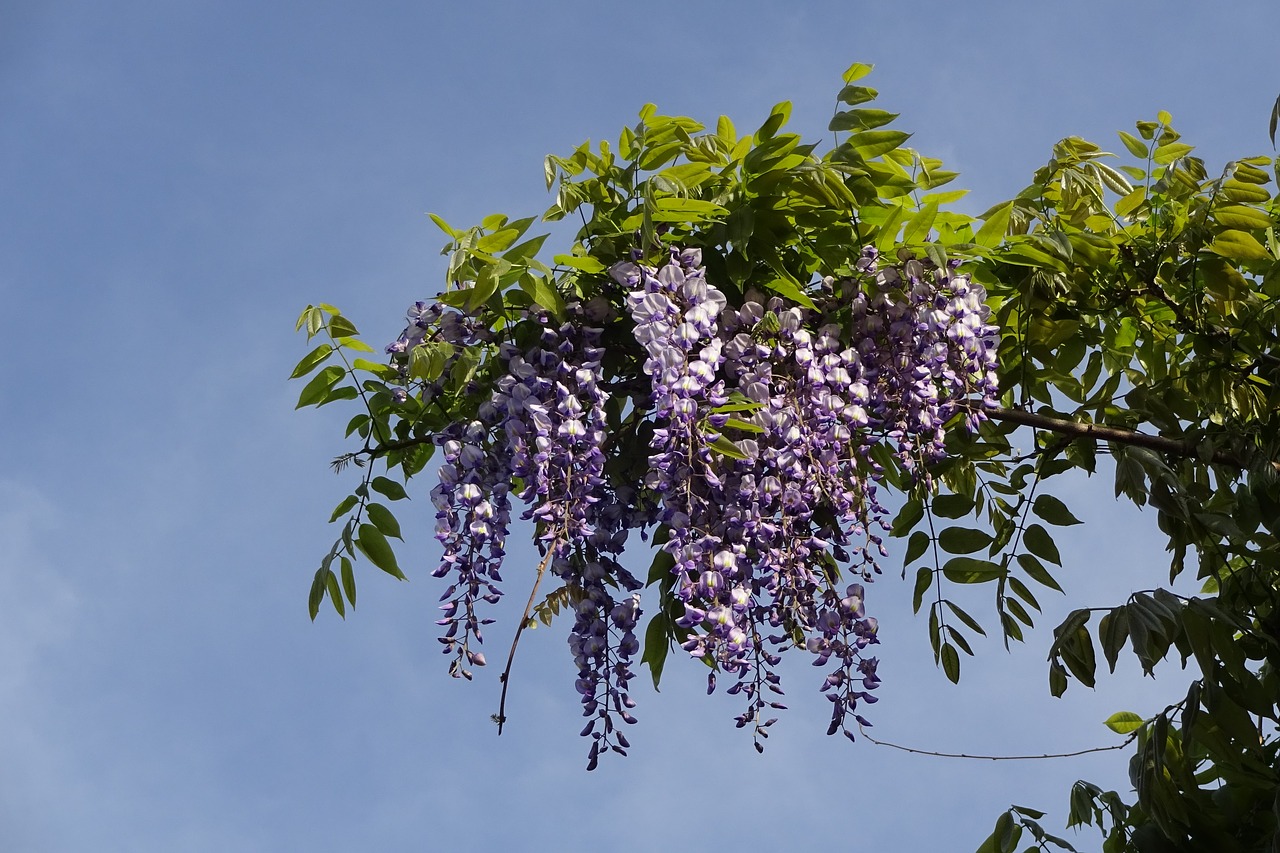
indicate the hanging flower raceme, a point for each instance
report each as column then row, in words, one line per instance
column 760, row 473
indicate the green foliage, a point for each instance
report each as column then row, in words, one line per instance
column 1139, row 301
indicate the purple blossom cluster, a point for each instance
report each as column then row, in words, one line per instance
column 760, row 471
column 755, row 539
column 551, row 409
column 543, row 428
column 924, row 336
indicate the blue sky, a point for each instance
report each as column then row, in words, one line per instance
column 179, row 179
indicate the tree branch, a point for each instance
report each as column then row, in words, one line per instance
column 1101, row 432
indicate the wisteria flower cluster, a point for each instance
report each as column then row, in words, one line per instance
column 760, row 476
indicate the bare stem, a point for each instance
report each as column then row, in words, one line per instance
column 515, row 641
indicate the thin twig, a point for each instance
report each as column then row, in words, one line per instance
column 515, row 641
column 1126, row 742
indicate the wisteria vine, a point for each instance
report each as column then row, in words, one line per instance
column 760, row 480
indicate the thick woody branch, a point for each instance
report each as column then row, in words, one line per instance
column 1100, row 432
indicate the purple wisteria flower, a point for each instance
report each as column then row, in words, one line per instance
column 760, row 472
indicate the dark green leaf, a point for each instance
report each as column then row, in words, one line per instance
column 951, row 506
column 335, row 594
column 1054, row 511
column 1037, row 572
column 317, row 592
column 656, row 646
column 1113, row 632
column 969, row 621
column 950, row 662
column 349, row 581
column 1040, row 543
column 389, row 489
column 969, row 570
column 374, row 545
column 916, row 546
column 907, row 518
column 343, row 508
column 924, row 579
column 963, row 540
column 384, row 520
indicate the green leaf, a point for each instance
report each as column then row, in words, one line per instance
column 341, row 327
column 1124, row 722
column 951, row 506
column 317, row 592
column 1171, row 151
column 907, row 518
column 1242, row 217
column 544, row 293
column 857, row 71
column 1113, row 633
column 873, row 143
column 744, row 426
column 580, row 263
column 963, row 616
column 498, row 241
column 916, row 546
column 963, row 540
column 384, row 520
column 486, row 285
column 311, row 361
column 1037, row 572
column 1239, row 245
column 996, row 226
column 950, row 662
column 789, row 290
column 854, row 95
column 917, row 227
column 656, row 646
column 887, row 233
column 865, row 119
column 969, row 570
column 447, row 228
column 725, row 447
column 343, row 508
column 389, row 488
column 349, row 581
column 318, row 388
column 1135, row 145
column 374, row 545
column 1040, row 543
column 335, row 594
column 1054, row 511
column 924, row 580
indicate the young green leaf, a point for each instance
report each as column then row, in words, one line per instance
column 311, row 361
column 1124, row 722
